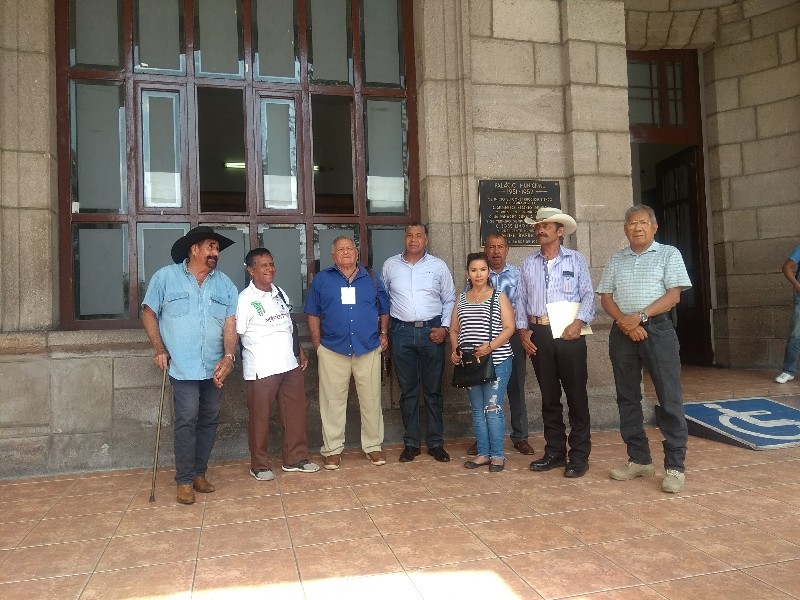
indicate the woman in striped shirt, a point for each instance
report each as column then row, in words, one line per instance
column 470, row 329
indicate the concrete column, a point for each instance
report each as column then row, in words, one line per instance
column 28, row 191
column 448, row 197
column 596, row 122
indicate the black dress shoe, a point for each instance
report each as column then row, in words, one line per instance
column 471, row 464
column 493, row 468
column 408, row 454
column 547, row 462
column 576, row 469
column 439, row 453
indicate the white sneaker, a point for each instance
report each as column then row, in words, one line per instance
column 262, row 474
column 673, row 481
column 304, row 466
column 784, row 377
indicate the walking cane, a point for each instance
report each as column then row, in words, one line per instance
column 158, row 437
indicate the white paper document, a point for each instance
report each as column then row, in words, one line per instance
column 563, row 313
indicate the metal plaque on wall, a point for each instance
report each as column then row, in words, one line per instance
column 504, row 204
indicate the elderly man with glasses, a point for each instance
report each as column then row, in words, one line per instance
column 639, row 287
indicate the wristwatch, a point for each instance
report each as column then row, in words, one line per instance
column 232, row 357
column 643, row 317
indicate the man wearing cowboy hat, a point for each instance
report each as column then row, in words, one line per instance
column 552, row 274
column 188, row 314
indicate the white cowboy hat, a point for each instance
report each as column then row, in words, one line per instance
column 554, row 215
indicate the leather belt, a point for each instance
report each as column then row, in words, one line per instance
column 659, row 318
column 434, row 322
column 545, row 320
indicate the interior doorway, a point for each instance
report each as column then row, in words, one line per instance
column 667, row 169
column 669, row 178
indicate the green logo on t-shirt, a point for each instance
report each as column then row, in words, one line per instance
column 259, row 308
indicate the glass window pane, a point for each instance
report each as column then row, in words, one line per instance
column 380, row 24
column 387, row 157
column 99, row 176
column 279, row 153
column 330, row 56
column 323, row 240
column 275, row 31
column 161, row 149
column 639, row 73
column 218, row 37
column 231, row 260
column 640, row 112
column 159, row 35
column 220, row 128
column 153, row 244
column 383, row 243
column 95, row 34
column 100, row 270
column 333, row 155
column 290, row 268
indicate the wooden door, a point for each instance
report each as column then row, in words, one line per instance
column 680, row 209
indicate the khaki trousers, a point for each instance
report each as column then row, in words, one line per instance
column 334, row 384
column 289, row 392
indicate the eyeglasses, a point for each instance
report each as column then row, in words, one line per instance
column 634, row 224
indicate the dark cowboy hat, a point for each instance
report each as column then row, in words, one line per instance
column 180, row 249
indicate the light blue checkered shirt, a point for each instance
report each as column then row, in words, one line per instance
column 636, row 280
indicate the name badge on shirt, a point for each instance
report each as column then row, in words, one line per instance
column 348, row 295
column 568, row 274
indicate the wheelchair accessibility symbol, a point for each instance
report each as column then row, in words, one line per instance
column 757, row 423
column 754, row 424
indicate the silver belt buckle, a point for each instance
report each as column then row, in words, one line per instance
column 419, row 324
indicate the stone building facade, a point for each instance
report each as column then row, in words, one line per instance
column 511, row 89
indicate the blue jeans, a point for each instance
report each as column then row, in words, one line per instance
column 659, row 352
column 196, row 419
column 415, row 356
column 793, row 343
column 487, row 411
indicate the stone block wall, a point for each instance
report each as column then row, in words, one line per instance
column 752, row 92
column 28, row 198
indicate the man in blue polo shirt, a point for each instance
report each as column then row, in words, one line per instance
column 188, row 315
column 348, row 319
column 638, row 288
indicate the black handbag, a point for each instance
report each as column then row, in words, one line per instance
column 474, row 370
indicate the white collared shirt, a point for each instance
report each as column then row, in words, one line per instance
column 264, row 324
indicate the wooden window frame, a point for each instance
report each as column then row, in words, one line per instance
column 253, row 88
column 664, row 133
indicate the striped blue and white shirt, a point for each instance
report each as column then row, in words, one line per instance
column 473, row 325
column 567, row 278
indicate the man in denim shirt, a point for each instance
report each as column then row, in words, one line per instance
column 188, row 313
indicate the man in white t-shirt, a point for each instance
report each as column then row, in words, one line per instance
column 271, row 369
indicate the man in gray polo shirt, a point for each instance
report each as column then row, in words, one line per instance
column 639, row 287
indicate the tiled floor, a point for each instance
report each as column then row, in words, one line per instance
column 421, row 530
